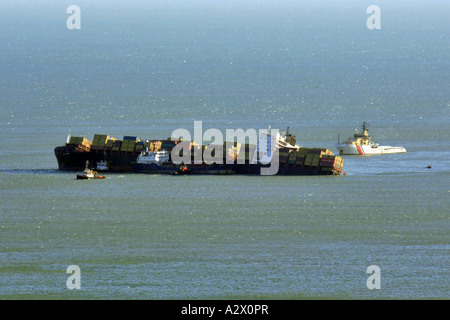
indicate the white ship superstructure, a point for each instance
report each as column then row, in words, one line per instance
column 147, row 157
column 271, row 140
column 361, row 144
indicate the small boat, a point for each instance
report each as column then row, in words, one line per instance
column 89, row 174
column 181, row 170
column 360, row 144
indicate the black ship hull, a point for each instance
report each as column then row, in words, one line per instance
column 69, row 159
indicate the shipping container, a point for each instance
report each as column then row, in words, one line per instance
column 328, row 161
column 312, row 160
column 116, row 145
column 282, row 159
column 292, row 156
column 98, row 148
column 302, row 151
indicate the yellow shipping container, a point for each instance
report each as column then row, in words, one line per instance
column 86, row 142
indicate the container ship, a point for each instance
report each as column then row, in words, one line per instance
column 132, row 154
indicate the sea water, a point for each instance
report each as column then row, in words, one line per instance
column 150, row 67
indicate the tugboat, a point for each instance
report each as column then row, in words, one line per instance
column 89, row 174
column 361, row 144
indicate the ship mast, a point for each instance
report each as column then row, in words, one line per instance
column 364, row 126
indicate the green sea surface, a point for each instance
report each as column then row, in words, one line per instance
column 147, row 68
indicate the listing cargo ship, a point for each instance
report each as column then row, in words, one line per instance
column 361, row 144
column 132, row 154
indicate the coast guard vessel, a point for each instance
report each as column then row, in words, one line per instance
column 361, row 144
